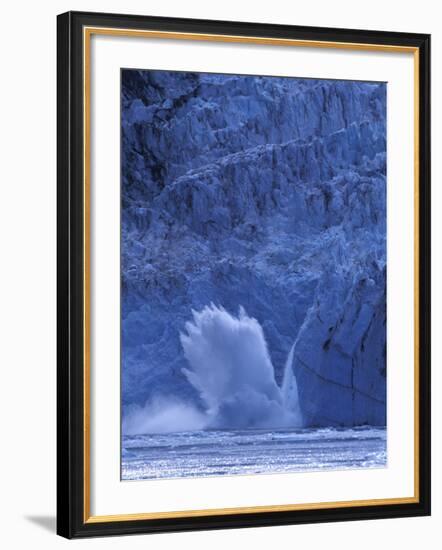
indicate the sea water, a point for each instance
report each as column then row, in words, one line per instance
column 246, row 452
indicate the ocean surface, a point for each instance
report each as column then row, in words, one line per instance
column 246, row 452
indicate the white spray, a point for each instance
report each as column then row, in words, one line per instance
column 230, row 367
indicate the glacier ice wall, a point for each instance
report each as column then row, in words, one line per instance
column 266, row 192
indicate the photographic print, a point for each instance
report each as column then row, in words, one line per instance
column 223, row 246
column 253, row 274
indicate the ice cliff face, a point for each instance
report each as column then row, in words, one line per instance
column 267, row 193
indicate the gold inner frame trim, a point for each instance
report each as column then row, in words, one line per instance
column 87, row 34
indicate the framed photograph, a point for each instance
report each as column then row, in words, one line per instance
column 243, row 274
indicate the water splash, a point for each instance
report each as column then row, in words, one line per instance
column 231, row 369
column 289, row 388
column 230, row 366
column 163, row 415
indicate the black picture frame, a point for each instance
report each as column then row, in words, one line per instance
column 72, row 520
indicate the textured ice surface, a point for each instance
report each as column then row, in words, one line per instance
column 267, row 193
column 214, row 453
